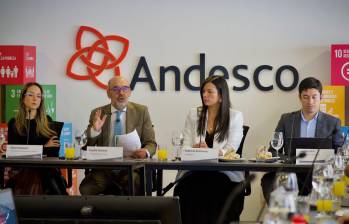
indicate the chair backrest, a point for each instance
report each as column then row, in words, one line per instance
column 245, row 130
column 239, row 151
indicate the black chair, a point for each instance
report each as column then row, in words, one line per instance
column 239, row 151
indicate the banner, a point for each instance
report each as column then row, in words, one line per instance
column 340, row 64
column 333, row 101
column 17, row 64
column 13, row 94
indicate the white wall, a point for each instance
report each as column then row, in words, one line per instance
column 174, row 33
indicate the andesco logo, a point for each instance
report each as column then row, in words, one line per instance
column 142, row 73
column 201, row 68
column 100, row 46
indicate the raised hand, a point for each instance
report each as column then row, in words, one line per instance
column 98, row 121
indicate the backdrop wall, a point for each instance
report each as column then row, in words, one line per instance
column 230, row 33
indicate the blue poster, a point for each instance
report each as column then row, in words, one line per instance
column 66, row 137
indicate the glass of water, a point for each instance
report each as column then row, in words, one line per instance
column 177, row 142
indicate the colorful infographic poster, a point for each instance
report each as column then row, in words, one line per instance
column 333, row 101
column 340, row 64
column 13, row 94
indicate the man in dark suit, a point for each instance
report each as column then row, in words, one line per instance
column 308, row 122
column 118, row 117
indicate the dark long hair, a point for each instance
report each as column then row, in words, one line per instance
column 40, row 118
column 222, row 119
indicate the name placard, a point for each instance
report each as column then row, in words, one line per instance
column 24, row 151
column 196, row 154
column 103, row 152
column 323, row 155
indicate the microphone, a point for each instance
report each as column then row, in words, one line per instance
column 291, row 137
column 313, row 162
column 28, row 125
column 232, row 196
column 345, row 137
column 199, row 111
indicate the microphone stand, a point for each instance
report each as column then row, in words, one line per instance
column 312, row 164
column 28, row 125
column 291, row 137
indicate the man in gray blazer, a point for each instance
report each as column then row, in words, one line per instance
column 123, row 117
column 308, row 122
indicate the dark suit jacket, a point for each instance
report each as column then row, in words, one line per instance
column 327, row 126
column 137, row 117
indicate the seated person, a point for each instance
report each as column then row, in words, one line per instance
column 118, row 117
column 31, row 127
column 308, row 122
column 213, row 125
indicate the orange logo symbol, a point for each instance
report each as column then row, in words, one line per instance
column 101, row 47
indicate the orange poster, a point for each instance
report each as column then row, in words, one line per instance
column 333, row 101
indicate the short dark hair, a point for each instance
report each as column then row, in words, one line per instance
column 310, row 83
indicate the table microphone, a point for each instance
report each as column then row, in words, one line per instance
column 199, row 111
column 313, row 162
column 291, row 137
column 28, row 125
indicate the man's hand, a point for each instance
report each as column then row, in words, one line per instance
column 53, row 142
column 3, row 148
column 140, row 154
column 97, row 121
column 200, row 145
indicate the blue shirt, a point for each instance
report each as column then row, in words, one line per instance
column 308, row 128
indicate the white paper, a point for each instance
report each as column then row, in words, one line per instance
column 323, row 155
column 130, row 142
column 24, row 151
column 103, row 152
column 195, row 154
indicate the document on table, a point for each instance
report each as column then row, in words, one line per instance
column 130, row 142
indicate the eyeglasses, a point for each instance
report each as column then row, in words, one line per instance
column 33, row 96
column 118, row 89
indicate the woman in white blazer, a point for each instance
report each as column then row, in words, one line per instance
column 213, row 125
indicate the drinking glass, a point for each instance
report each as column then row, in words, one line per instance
column 177, row 142
column 288, row 181
column 2, row 140
column 277, row 141
column 69, row 151
column 162, row 153
column 80, row 141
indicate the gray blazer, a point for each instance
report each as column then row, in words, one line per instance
column 327, row 126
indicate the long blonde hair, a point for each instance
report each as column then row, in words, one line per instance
column 42, row 127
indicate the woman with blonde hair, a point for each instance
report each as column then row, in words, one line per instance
column 31, row 127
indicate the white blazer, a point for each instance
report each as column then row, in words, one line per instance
column 232, row 142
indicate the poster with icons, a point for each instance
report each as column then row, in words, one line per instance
column 13, row 94
column 333, row 101
column 340, row 64
column 17, row 64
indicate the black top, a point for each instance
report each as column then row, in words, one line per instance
column 209, row 139
column 15, row 138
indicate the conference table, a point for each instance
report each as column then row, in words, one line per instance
column 51, row 162
column 149, row 166
column 152, row 165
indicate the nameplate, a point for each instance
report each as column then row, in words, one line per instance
column 196, row 154
column 24, row 151
column 323, row 155
column 102, row 152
